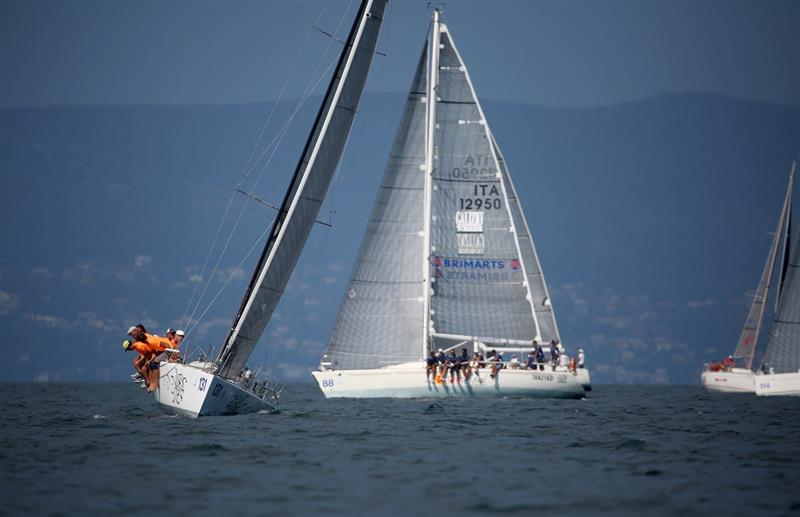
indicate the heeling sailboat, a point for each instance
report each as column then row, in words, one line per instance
column 738, row 376
column 447, row 260
column 208, row 388
column 780, row 365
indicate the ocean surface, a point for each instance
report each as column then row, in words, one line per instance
column 106, row 449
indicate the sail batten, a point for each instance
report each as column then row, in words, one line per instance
column 304, row 196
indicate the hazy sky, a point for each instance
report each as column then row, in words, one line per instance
column 550, row 53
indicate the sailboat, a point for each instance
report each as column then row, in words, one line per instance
column 779, row 373
column 216, row 387
column 448, row 261
column 736, row 374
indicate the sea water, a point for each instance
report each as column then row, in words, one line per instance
column 70, row 449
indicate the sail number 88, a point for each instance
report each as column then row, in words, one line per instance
column 478, row 203
column 327, row 383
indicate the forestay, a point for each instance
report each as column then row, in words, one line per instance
column 307, row 190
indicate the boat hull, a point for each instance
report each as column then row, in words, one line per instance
column 738, row 380
column 584, row 378
column 410, row 381
column 778, row 384
column 194, row 391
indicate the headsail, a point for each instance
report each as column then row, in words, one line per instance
column 782, row 354
column 746, row 347
column 545, row 316
column 306, row 191
column 479, row 284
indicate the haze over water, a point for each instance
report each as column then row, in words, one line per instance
column 106, row 448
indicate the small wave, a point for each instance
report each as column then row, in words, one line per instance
column 433, row 409
column 100, row 417
column 631, row 443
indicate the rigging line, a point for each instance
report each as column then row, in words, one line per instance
column 245, row 173
column 244, row 206
column 280, row 136
column 310, row 87
column 306, row 94
column 185, row 319
column 280, row 95
column 377, row 76
column 290, row 316
column 230, row 277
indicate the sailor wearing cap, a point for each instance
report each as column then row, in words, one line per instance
column 153, row 345
column 581, row 358
column 177, row 337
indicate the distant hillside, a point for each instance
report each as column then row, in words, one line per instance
column 651, row 219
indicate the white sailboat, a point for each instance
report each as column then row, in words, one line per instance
column 447, row 261
column 213, row 387
column 737, row 375
column 779, row 373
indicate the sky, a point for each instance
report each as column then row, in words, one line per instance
column 572, row 53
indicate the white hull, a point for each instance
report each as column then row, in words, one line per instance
column 191, row 390
column 583, row 377
column 778, row 384
column 738, row 380
column 410, row 381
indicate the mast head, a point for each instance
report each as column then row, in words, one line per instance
column 438, row 10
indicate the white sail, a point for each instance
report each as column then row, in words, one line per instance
column 746, row 347
column 545, row 315
column 307, row 190
column 446, row 203
column 479, row 284
column 380, row 319
column 782, row 354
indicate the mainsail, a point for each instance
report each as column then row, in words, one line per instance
column 306, row 191
column 380, row 319
column 447, row 253
column 746, row 347
column 782, row 354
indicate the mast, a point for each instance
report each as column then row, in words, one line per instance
column 306, row 191
column 433, row 75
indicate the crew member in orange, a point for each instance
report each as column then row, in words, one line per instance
column 144, row 357
column 156, row 345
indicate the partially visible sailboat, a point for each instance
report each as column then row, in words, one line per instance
column 736, row 373
column 214, row 387
column 448, row 261
column 779, row 373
